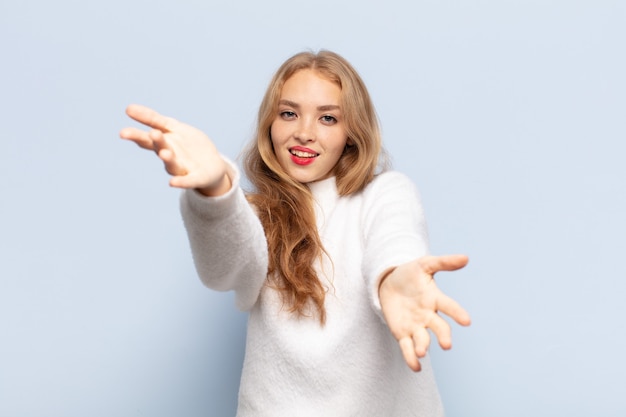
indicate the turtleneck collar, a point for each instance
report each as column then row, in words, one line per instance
column 325, row 197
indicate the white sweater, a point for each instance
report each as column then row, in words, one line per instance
column 294, row 367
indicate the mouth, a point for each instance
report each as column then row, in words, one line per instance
column 302, row 156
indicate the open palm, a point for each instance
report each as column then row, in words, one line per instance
column 411, row 303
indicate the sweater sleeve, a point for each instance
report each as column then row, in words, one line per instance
column 394, row 228
column 227, row 241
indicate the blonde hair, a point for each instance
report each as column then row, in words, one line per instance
column 284, row 205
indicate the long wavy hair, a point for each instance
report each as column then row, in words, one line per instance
column 284, row 205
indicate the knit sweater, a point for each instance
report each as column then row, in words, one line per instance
column 294, row 367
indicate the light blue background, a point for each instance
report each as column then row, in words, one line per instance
column 509, row 115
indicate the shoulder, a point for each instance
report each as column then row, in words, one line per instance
column 390, row 183
column 391, row 194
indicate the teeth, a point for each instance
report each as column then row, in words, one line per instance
column 301, row 154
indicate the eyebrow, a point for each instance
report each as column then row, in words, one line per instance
column 295, row 105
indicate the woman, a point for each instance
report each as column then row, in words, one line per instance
column 328, row 254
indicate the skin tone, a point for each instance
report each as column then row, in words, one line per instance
column 308, row 135
column 411, row 303
column 187, row 153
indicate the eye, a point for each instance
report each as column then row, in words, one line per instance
column 328, row 119
column 287, row 115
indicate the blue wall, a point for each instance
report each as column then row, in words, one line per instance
column 509, row 115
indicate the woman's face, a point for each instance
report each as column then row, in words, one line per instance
column 308, row 132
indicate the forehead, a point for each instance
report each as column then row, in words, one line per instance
column 310, row 84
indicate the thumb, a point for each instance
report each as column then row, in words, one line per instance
column 434, row 264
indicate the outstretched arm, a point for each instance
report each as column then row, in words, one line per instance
column 225, row 235
column 187, row 153
column 411, row 303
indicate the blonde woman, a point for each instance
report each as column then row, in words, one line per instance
column 328, row 252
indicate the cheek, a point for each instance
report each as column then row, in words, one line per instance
column 343, row 141
column 276, row 133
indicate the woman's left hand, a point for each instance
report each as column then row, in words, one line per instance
column 411, row 303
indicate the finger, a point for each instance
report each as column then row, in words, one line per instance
column 408, row 352
column 138, row 136
column 433, row 264
column 172, row 165
column 451, row 308
column 158, row 140
column 182, row 181
column 149, row 117
column 166, row 153
column 187, row 180
column 421, row 341
column 442, row 331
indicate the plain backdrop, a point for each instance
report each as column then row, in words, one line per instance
column 508, row 114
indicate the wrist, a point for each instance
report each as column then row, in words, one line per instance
column 383, row 277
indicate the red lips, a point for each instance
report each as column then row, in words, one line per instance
column 302, row 156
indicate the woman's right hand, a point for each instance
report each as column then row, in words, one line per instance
column 187, row 153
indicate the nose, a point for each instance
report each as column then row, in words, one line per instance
column 305, row 131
